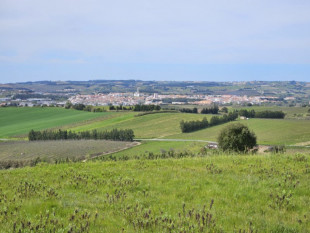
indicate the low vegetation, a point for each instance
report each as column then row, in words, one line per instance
column 223, row 193
column 15, row 154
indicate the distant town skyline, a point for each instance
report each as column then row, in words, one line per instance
column 160, row 40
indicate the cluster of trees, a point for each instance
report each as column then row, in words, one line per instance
column 270, row 114
column 120, row 107
column 83, row 107
column 247, row 113
column 211, row 110
column 115, row 135
column 145, row 108
column 262, row 114
column 189, row 110
column 190, row 126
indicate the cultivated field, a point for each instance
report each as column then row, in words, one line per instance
column 268, row 131
column 224, row 193
column 167, row 125
column 18, row 121
column 147, row 126
column 55, row 150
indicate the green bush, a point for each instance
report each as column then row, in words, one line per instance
column 236, row 137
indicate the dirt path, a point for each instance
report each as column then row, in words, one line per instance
column 111, row 152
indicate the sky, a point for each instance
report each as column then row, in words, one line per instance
column 176, row 40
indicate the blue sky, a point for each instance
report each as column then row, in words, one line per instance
column 154, row 40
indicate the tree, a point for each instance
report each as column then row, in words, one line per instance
column 236, row 137
column 224, row 109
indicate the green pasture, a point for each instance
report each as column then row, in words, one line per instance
column 224, row 193
column 147, row 126
column 268, row 131
column 291, row 112
column 17, row 121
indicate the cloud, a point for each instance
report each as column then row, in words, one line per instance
column 168, row 32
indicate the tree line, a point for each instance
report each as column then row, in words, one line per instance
column 146, row 108
column 261, row 114
column 211, row 110
column 83, row 107
column 114, row 135
column 120, row 107
column 190, row 126
column 189, row 110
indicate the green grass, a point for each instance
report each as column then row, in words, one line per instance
column 51, row 150
column 160, row 195
column 291, row 112
column 268, row 131
column 161, row 146
column 147, row 126
column 17, row 121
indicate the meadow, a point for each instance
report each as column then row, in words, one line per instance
column 167, row 125
column 147, row 126
column 268, row 131
column 17, row 122
column 223, row 193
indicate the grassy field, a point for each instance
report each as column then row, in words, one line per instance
column 51, row 150
column 18, row 121
column 225, row 193
column 268, row 131
column 291, row 112
column 147, row 126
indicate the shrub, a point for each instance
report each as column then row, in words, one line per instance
column 236, row 137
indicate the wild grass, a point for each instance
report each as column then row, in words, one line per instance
column 224, row 193
column 161, row 146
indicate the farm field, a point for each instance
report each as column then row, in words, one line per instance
column 147, row 126
column 268, row 131
column 291, row 112
column 16, row 122
column 167, row 125
column 19, row 121
column 55, row 150
column 224, row 193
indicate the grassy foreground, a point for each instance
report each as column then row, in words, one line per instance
column 224, row 193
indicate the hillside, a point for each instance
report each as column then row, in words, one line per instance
column 17, row 121
column 224, row 193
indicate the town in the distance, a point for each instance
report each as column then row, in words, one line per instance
column 133, row 92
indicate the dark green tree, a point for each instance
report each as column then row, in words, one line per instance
column 236, row 137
